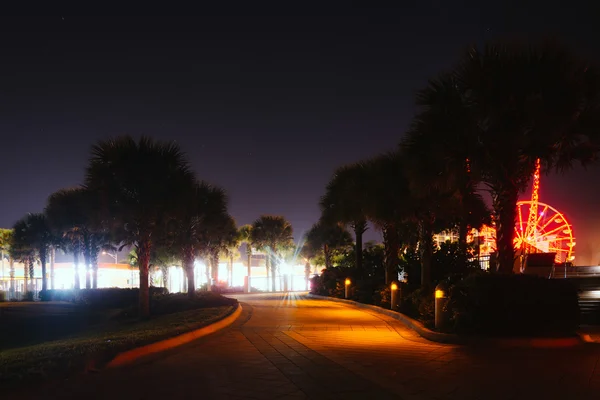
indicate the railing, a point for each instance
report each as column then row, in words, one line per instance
column 561, row 271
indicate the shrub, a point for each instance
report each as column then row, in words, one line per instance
column 419, row 304
column 509, row 305
column 383, row 297
column 2, row 296
column 28, row 296
column 177, row 302
column 100, row 298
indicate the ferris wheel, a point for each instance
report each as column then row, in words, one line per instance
column 540, row 228
column 547, row 231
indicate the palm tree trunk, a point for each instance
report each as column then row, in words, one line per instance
column 273, row 271
column 165, row 276
column 426, row 245
column 359, row 228
column 249, row 255
column 31, row 273
column 230, row 277
column 391, row 247
column 95, row 271
column 43, row 258
column 188, row 265
column 505, row 209
column 268, row 268
column 11, row 264
column 306, row 274
column 76, row 262
column 86, row 259
column 143, row 252
column 209, row 262
column 215, row 269
column 25, row 275
column 327, row 255
column 52, row 259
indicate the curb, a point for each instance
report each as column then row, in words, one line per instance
column 130, row 356
column 447, row 338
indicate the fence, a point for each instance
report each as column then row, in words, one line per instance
column 15, row 288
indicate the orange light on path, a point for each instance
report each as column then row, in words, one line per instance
column 347, row 281
column 394, row 286
column 439, row 294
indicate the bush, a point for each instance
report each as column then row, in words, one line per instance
column 513, row 305
column 27, row 296
column 177, row 302
column 419, row 304
column 2, row 296
column 100, row 298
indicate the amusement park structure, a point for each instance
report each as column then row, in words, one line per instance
column 540, row 228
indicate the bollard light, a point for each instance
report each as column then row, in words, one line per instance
column 440, row 302
column 347, row 282
column 395, row 294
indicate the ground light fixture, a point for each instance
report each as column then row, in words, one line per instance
column 394, row 296
column 347, row 283
column 440, row 301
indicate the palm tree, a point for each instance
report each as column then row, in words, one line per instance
column 272, row 234
column 345, row 200
column 391, row 207
column 221, row 235
column 200, row 210
column 67, row 219
column 328, row 238
column 139, row 184
column 6, row 239
column 74, row 215
column 521, row 104
column 163, row 257
column 33, row 232
column 245, row 234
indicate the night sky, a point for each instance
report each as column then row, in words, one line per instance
column 265, row 104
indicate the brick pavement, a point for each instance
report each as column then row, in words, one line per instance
column 285, row 346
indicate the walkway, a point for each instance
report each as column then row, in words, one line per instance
column 286, row 346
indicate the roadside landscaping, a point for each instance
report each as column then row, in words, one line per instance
column 175, row 314
column 477, row 305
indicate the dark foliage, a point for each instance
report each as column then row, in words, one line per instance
column 504, row 305
column 177, row 302
column 100, row 298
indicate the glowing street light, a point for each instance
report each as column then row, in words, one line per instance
column 347, row 283
column 115, row 256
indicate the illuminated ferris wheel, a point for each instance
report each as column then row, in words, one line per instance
column 548, row 232
column 540, row 228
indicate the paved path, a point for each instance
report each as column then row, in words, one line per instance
column 285, row 346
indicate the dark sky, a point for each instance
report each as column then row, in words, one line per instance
column 265, row 104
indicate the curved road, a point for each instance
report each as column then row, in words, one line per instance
column 286, row 346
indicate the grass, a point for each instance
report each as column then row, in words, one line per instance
column 75, row 354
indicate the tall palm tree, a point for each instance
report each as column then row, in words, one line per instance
column 221, row 234
column 345, row 201
column 33, row 232
column 520, row 104
column 197, row 216
column 391, row 207
column 139, row 184
column 245, row 234
column 67, row 219
column 272, row 233
column 328, row 238
column 5, row 244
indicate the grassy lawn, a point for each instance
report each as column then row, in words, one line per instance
column 61, row 357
